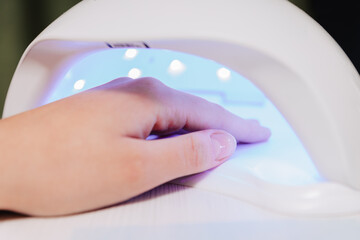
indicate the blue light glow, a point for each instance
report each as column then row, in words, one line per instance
column 105, row 65
column 281, row 160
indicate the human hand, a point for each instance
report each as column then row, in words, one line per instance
column 89, row 150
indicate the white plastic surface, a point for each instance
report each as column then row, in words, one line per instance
column 178, row 212
column 272, row 43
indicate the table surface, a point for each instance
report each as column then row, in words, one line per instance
column 179, row 212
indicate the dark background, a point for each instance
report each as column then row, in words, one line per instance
column 22, row 20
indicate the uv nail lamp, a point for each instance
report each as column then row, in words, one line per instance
column 261, row 59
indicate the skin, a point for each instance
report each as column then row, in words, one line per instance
column 90, row 150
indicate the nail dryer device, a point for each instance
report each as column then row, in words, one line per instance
column 263, row 59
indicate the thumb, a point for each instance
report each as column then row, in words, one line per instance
column 190, row 153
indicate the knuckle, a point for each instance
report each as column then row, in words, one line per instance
column 121, row 80
column 118, row 81
column 155, row 90
column 151, row 87
column 150, row 83
column 195, row 154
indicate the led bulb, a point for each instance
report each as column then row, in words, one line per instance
column 131, row 53
column 134, row 73
column 176, row 67
column 79, row 84
column 223, row 74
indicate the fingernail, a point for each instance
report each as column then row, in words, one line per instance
column 224, row 145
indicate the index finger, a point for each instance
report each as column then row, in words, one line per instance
column 194, row 113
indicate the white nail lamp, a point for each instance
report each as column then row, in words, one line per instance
column 281, row 50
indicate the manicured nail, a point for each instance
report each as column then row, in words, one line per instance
column 224, row 145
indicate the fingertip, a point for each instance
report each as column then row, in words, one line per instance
column 224, row 144
column 254, row 132
column 266, row 133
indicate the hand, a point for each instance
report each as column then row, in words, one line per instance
column 90, row 150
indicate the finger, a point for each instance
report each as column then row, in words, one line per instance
column 194, row 113
column 187, row 154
